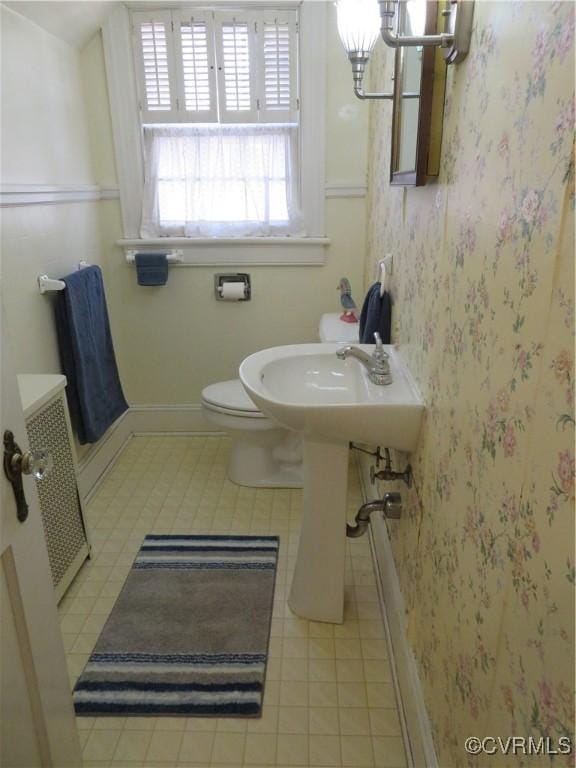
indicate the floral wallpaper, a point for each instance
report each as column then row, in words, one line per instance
column 483, row 288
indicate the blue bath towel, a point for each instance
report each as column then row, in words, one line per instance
column 376, row 315
column 151, row 268
column 94, row 392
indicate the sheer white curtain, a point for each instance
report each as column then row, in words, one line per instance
column 221, row 181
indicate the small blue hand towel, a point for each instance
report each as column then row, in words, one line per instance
column 94, row 392
column 151, row 268
column 376, row 315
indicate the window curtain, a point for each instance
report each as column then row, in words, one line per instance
column 221, row 181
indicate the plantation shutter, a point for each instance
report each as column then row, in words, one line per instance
column 202, row 66
column 194, row 46
column 235, row 51
column 155, row 66
column 277, row 66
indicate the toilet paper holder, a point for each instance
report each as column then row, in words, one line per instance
column 236, row 277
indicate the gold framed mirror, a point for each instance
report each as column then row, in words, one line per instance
column 418, row 106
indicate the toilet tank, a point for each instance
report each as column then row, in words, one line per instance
column 331, row 328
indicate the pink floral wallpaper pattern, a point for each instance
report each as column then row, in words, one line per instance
column 484, row 312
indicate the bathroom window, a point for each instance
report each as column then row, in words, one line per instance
column 223, row 180
column 246, row 87
column 219, row 108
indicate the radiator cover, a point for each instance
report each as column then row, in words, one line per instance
column 48, row 427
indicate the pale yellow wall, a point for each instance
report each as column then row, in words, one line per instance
column 346, row 116
column 44, row 141
column 170, row 342
column 97, row 111
column 484, row 312
column 173, row 341
column 44, row 138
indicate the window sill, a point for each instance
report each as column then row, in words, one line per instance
column 245, row 251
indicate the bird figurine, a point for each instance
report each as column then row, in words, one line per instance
column 348, row 304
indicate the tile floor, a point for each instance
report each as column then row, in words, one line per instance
column 329, row 699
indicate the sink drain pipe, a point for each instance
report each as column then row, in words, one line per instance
column 390, row 504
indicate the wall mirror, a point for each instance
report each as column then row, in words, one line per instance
column 418, row 105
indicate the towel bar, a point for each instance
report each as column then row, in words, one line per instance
column 172, row 256
column 383, row 271
column 47, row 284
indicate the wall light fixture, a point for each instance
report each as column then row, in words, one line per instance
column 360, row 22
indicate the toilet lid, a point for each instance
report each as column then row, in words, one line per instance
column 229, row 395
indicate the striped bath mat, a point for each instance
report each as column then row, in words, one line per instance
column 189, row 632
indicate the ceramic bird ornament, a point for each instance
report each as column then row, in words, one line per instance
column 348, row 304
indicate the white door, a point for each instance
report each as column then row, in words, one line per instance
column 37, row 724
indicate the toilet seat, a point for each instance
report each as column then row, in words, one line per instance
column 230, row 399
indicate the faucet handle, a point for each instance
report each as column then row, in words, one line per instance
column 379, row 352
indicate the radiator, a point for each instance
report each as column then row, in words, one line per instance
column 48, row 427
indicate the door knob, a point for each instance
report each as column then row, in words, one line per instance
column 17, row 463
column 37, row 463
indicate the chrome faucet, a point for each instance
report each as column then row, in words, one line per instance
column 377, row 364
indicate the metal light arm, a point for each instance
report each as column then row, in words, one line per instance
column 455, row 43
column 359, row 60
column 360, row 93
column 391, row 38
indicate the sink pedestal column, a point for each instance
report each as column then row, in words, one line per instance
column 317, row 590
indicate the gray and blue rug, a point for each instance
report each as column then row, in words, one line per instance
column 189, row 632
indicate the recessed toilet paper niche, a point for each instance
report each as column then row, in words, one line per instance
column 233, row 287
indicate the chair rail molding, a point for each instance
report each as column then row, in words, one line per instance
column 346, row 189
column 43, row 194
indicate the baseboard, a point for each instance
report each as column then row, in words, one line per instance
column 169, row 419
column 416, row 721
column 96, row 461
column 138, row 420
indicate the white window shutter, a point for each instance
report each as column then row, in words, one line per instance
column 194, row 45
column 278, row 66
column 217, row 66
column 155, row 66
column 236, row 54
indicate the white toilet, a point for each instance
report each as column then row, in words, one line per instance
column 264, row 454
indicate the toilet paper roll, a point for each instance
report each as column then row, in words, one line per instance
column 232, row 291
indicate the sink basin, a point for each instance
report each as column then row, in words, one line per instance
column 331, row 402
column 305, row 387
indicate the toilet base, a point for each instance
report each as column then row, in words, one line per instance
column 254, row 461
column 263, row 454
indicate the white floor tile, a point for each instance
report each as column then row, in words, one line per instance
column 329, row 699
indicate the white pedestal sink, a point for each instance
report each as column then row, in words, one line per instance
column 331, row 402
